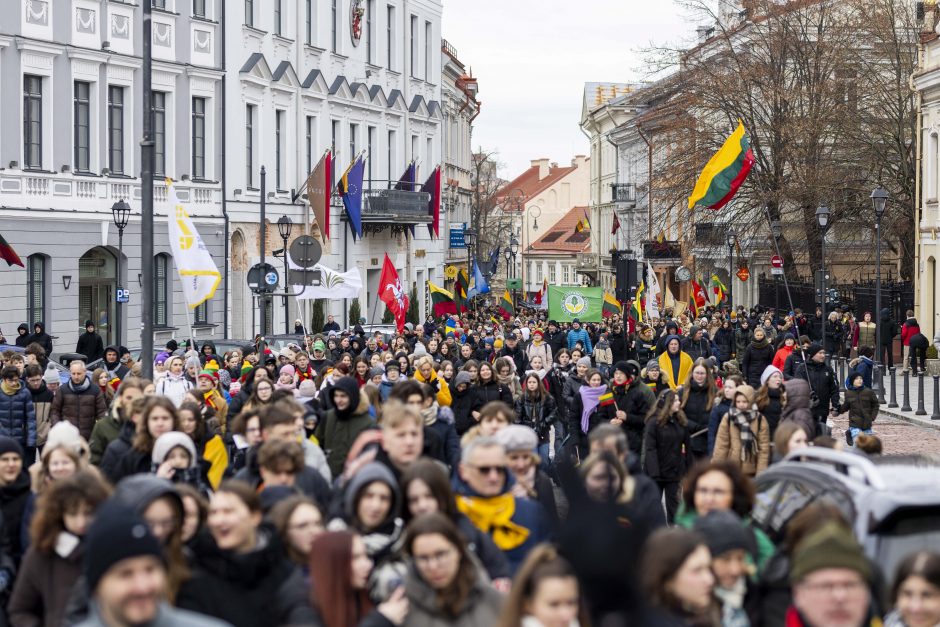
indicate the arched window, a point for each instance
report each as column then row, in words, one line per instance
column 161, row 290
column 37, row 269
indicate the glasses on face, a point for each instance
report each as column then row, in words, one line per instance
column 489, row 470
column 440, row 557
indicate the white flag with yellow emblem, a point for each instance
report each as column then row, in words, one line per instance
column 197, row 271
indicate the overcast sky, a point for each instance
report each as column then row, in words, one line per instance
column 532, row 58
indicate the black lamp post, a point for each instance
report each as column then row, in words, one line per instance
column 731, row 239
column 514, row 250
column 284, row 226
column 120, row 211
column 469, row 239
column 879, row 200
column 822, row 217
column 776, row 230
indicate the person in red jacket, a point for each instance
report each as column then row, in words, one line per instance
column 909, row 329
column 786, row 348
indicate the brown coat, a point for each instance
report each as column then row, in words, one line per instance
column 43, row 587
column 728, row 444
column 82, row 409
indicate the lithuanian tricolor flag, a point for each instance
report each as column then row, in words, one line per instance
column 460, row 291
column 636, row 312
column 719, row 289
column 506, row 309
column 724, row 173
column 611, row 306
column 442, row 301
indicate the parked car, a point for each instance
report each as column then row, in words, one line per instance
column 892, row 501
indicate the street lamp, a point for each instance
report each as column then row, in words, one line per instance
column 776, row 230
column 731, row 239
column 879, row 200
column 120, row 211
column 533, row 212
column 822, row 217
column 284, row 226
column 514, row 250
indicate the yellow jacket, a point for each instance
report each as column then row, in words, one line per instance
column 443, row 390
column 685, row 368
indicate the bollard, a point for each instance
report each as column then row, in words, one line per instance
column 879, row 371
column 894, row 387
column 920, row 395
column 936, row 398
column 840, row 373
column 907, row 391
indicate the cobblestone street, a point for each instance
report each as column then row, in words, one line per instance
column 897, row 436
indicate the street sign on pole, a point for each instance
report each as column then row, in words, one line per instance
column 776, row 265
column 263, row 278
column 306, row 251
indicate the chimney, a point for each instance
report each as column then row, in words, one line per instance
column 542, row 165
column 579, row 161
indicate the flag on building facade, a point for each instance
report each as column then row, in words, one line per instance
column 433, row 187
column 719, row 289
column 197, row 271
column 392, row 294
column 461, row 287
column 442, row 301
column 407, row 180
column 480, row 286
column 653, row 293
column 698, row 294
column 319, row 190
column 724, row 172
column 616, row 225
column 350, row 188
column 583, row 224
column 611, row 306
column 9, row 255
column 506, row 310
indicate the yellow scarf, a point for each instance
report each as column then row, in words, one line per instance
column 493, row 516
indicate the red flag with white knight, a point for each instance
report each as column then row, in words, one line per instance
column 392, row 294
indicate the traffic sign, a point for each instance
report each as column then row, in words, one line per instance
column 776, row 265
column 306, row 251
column 263, row 278
column 123, row 295
column 743, row 274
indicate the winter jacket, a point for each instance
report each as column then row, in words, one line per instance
column 253, row 589
column 518, row 358
column 117, row 449
column 799, row 406
column 765, row 546
column 167, row 616
column 728, row 442
column 603, row 355
column 887, row 328
column 81, row 405
column 714, row 421
column 44, row 584
column 310, row 482
column 461, row 403
column 792, row 362
column 667, row 450
column 105, row 431
column 697, row 348
column 492, row 559
column 539, row 415
column 13, row 498
column 865, row 335
column 757, row 356
column 17, row 415
column 482, row 606
column 570, row 392
column 542, row 350
column 443, row 426
column 724, row 342
column 174, row 388
column 338, row 430
column 773, row 409
column 557, row 341
column 742, row 339
column 634, row 399
column 675, row 378
column 134, row 462
column 556, row 378
column 780, row 357
column 42, row 405
column 580, row 336
column 439, row 384
column 909, row 329
column 835, row 336
column 91, row 346
column 863, row 366
column 822, row 380
column 620, row 348
column 42, row 338
column 862, row 405
column 695, row 406
column 596, row 417
column 491, row 391
column 22, row 339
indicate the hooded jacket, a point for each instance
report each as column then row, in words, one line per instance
column 339, row 429
column 22, row 339
column 482, row 606
column 822, row 380
column 862, row 405
column 381, row 540
column 579, row 335
column 90, row 345
column 909, row 329
column 675, row 376
column 634, row 398
column 41, row 337
column 728, row 443
column 757, row 356
column 44, row 583
column 253, row 589
column 309, row 481
column 439, row 384
column 114, row 368
column 887, row 328
column 461, row 403
column 798, row 408
column 18, row 416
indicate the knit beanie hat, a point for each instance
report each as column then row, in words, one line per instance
column 629, row 368
column 768, row 371
column 193, row 362
column 287, row 369
column 652, row 364
column 307, row 389
column 51, row 375
column 515, row 438
column 392, row 364
column 169, row 441
column 585, row 361
column 813, row 349
column 723, row 531
column 66, row 434
column 419, row 350
column 9, row 445
column 116, row 534
column 378, row 371
column 462, row 377
column 830, row 546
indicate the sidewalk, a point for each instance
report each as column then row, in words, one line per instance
column 896, row 412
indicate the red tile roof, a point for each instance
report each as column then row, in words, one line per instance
column 530, row 185
column 562, row 237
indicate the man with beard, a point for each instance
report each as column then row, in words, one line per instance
column 90, row 344
column 112, row 363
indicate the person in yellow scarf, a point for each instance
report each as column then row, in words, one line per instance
column 484, row 495
column 208, row 386
column 674, row 363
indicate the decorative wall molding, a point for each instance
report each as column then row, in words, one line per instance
column 202, row 41
column 37, row 12
column 86, row 20
column 120, row 26
column 162, row 35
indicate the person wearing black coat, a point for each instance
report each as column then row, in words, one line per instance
column 742, row 339
column 117, row 449
column 633, row 400
column 14, row 493
column 645, row 345
column 39, row 336
column 887, row 331
column 90, row 343
column 724, row 342
column 536, row 409
column 822, row 382
column 513, row 351
column 668, row 447
column 556, row 338
column 816, row 326
column 461, row 402
column 489, row 390
column 696, row 346
column 22, row 335
column 620, row 349
column 757, row 356
column 834, row 334
column 698, row 396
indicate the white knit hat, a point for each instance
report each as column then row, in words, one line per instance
column 768, row 371
column 169, row 441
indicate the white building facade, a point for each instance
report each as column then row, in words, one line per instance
column 352, row 75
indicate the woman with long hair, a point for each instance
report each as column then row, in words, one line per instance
column 668, row 447
column 698, row 397
column 244, row 432
column 677, row 577
column 444, row 584
column 916, row 591
column 743, row 436
column 771, row 397
column 53, row 562
column 103, row 380
column 722, row 404
column 211, row 453
column 339, row 577
column 504, row 368
column 757, row 356
column 298, row 521
column 159, row 417
column 587, row 408
column 545, row 593
column 488, row 389
column 536, row 409
column 361, row 369
column 260, row 395
column 790, row 437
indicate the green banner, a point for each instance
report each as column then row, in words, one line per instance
column 584, row 303
column 513, row 284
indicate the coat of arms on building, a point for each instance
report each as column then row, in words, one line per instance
column 356, row 13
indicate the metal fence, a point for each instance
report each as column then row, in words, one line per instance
column 859, row 296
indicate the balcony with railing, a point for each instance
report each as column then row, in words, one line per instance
column 384, row 206
column 667, row 252
column 623, row 193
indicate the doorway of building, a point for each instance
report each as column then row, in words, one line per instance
column 97, row 284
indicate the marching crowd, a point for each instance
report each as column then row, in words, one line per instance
column 468, row 471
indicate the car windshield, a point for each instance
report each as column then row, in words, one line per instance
column 907, row 532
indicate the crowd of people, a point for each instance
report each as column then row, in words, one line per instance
column 468, row 471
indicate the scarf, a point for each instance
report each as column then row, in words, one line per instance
column 590, row 398
column 210, row 398
column 81, row 387
column 10, row 389
column 303, row 375
column 732, row 604
column 429, row 414
column 748, row 442
column 494, row 516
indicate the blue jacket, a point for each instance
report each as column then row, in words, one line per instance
column 580, row 336
column 18, row 417
column 865, row 367
column 714, row 421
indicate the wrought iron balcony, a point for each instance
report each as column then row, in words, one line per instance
column 623, row 192
column 395, row 209
column 587, row 263
column 666, row 250
column 710, row 234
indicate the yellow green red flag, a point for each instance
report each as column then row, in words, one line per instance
column 725, row 172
